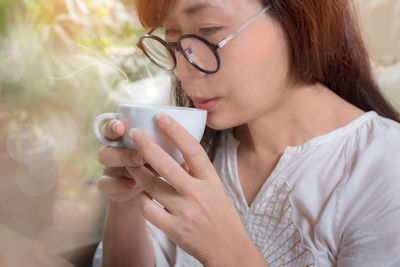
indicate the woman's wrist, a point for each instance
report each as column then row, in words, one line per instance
column 125, row 239
column 127, row 210
column 240, row 253
column 129, row 204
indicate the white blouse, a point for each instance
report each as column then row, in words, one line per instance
column 333, row 201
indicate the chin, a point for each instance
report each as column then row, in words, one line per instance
column 219, row 123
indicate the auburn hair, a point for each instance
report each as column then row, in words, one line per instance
column 325, row 47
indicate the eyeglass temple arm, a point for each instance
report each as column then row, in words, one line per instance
column 244, row 25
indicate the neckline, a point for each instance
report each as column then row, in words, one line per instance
column 232, row 158
column 286, row 156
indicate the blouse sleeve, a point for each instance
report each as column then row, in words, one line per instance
column 369, row 230
column 164, row 248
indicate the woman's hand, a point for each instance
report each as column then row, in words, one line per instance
column 197, row 214
column 116, row 181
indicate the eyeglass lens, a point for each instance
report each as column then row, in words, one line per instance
column 199, row 53
column 196, row 51
column 158, row 53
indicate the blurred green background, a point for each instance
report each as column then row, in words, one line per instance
column 65, row 57
column 62, row 63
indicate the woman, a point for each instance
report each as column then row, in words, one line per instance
column 300, row 159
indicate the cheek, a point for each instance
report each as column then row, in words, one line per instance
column 258, row 56
column 256, row 78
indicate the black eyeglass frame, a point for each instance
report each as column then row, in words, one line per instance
column 171, row 46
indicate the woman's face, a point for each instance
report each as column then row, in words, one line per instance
column 254, row 68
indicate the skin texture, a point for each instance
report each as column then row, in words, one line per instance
column 258, row 97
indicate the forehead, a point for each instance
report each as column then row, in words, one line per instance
column 191, row 8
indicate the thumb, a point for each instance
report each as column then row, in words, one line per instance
column 113, row 129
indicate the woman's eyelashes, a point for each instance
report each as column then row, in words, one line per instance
column 204, row 31
column 209, row 30
column 172, row 32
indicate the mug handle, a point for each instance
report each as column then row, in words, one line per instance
column 96, row 125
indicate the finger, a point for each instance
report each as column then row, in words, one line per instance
column 120, row 157
column 157, row 188
column 186, row 168
column 157, row 215
column 116, row 172
column 112, row 185
column 194, row 154
column 160, row 160
column 113, row 129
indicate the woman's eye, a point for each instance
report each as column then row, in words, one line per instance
column 209, row 30
column 172, row 32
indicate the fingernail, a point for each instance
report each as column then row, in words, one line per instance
column 163, row 119
column 116, row 127
column 136, row 135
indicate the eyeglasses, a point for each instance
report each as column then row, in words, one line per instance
column 197, row 51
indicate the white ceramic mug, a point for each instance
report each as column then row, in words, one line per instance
column 143, row 117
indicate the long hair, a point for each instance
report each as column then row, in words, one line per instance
column 325, row 47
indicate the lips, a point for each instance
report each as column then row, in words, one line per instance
column 203, row 103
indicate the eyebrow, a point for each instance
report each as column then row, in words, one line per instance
column 199, row 6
